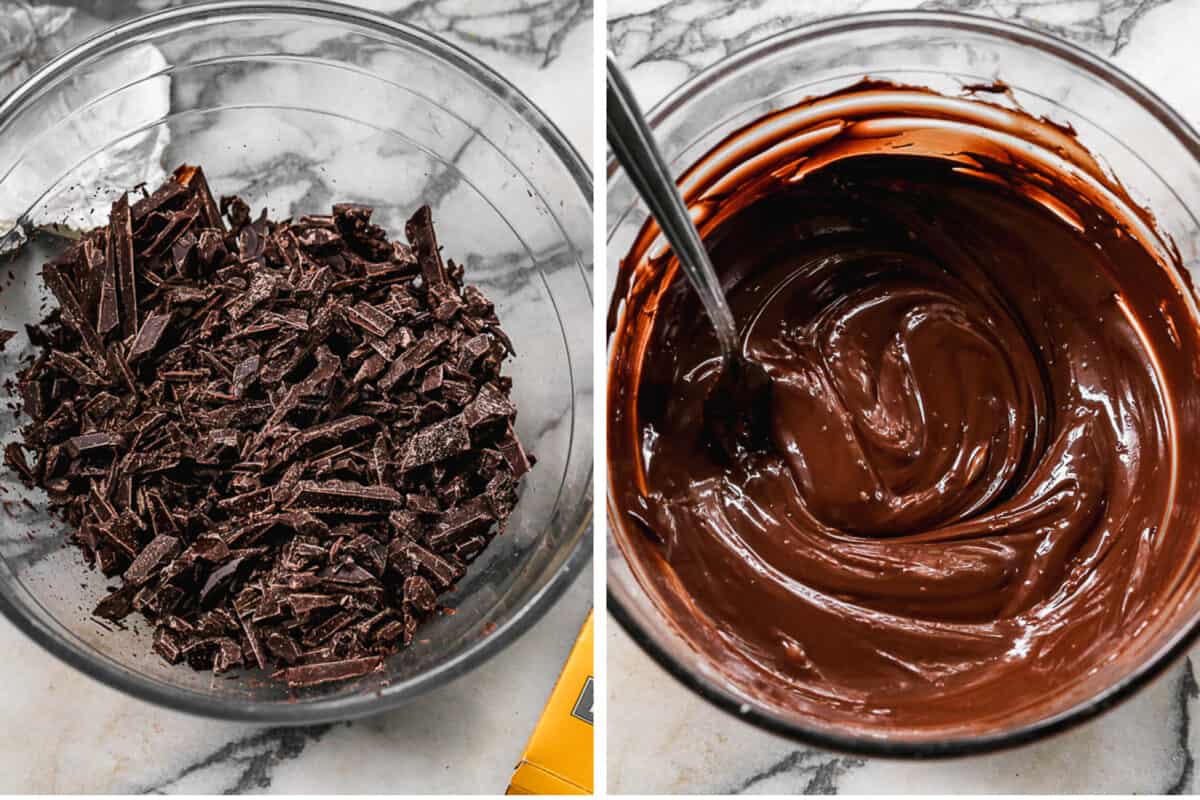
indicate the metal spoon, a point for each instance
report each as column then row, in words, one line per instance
column 737, row 408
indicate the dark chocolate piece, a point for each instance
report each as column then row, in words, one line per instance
column 118, row 604
column 344, row 497
column 437, row 442
column 121, row 235
column 154, row 556
column 148, row 336
column 330, row 671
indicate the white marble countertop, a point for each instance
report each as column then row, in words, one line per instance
column 64, row 733
column 664, row 739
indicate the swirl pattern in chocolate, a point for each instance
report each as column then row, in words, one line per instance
column 982, row 360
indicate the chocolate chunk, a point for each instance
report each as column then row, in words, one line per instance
column 148, row 336
column 422, row 504
column 370, row 319
column 414, row 358
column 120, row 236
column 490, row 405
column 193, row 177
column 284, row 438
column 343, row 429
column 169, row 645
column 433, row 380
column 77, row 445
column 350, row 573
column 417, row 557
column 344, row 497
column 458, row 524
column 330, row 671
column 155, row 555
column 419, row 593
column 74, row 367
column 228, row 655
column 173, row 226
column 117, row 605
column 156, row 200
column 305, row 603
column 510, row 447
column 263, row 286
column 283, row 648
column 244, row 376
column 419, row 230
column 158, row 600
column 218, row 581
column 211, row 547
column 436, row 443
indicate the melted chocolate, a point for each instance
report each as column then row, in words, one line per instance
column 980, row 508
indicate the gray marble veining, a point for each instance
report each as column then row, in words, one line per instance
column 698, row 32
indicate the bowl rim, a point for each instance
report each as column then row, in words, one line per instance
column 373, row 700
column 713, row 691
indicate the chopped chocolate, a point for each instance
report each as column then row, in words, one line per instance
column 344, row 498
column 445, row 571
column 490, row 405
column 154, row 556
column 436, row 442
column 118, row 604
column 218, row 581
column 121, row 239
column 419, row 593
column 459, row 523
column 148, row 335
column 169, row 645
column 283, row 439
column 370, row 319
column 330, row 671
column 78, row 445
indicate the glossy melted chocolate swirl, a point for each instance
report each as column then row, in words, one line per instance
column 978, row 357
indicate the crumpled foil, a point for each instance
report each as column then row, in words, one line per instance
column 79, row 195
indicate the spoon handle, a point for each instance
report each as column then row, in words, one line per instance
column 633, row 144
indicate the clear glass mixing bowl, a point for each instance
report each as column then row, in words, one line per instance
column 296, row 105
column 1147, row 146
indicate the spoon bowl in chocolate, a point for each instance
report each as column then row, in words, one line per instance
column 741, row 391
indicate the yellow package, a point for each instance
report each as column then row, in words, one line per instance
column 558, row 758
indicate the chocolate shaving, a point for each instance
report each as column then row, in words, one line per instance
column 121, row 237
column 285, row 439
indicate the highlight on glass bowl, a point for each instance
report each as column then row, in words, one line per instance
column 301, row 396
column 962, row 250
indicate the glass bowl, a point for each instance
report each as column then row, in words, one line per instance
column 1147, row 146
column 294, row 106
